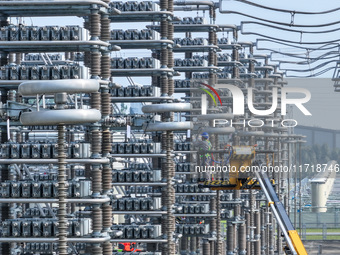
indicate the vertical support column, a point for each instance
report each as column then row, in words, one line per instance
column 235, row 57
column 251, row 84
column 62, row 221
column 278, row 192
column 257, row 245
column 165, row 195
column 11, row 58
column 295, row 186
column 206, row 247
column 3, row 62
column 193, row 244
column 218, row 223
column 230, row 238
column 171, row 194
column 300, row 192
column 242, row 239
column 96, row 141
column 224, row 247
column 171, row 88
column 5, row 208
column 235, row 229
column 106, row 134
column 213, row 221
column 288, row 178
column 18, row 58
column 270, row 238
column 212, row 58
column 237, row 206
column 247, row 218
column 263, row 231
column 184, row 245
column 251, row 219
column 168, row 170
column 96, row 174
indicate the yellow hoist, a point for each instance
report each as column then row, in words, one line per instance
column 244, row 173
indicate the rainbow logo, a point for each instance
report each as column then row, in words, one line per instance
column 209, row 93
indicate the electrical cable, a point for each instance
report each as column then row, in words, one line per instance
column 303, row 56
column 300, row 63
column 310, row 69
column 288, row 29
column 323, row 47
column 288, row 11
column 288, row 41
column 312, row 75
column 281, row 23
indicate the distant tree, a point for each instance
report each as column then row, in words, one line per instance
column 317, row 150
column 335, row 154
column 325, row 152
column 317, row 154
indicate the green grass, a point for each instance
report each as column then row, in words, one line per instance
column 329, row 230
column 320, row 237
column 333, row 230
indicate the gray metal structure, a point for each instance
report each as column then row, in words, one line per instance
column 80, row 176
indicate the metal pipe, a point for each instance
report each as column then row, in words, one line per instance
column 140, row 184
column 140, row 99
column 214, row 116
column 56, row 117
column 200, row 2
column 57, row 43
column 136, row 155
column 70, row 86
column 140, row 212
column 161, row 108
column 138, row 240
column 250, row 133
column 191, row 8
column 219, row 130
column 55, row 161
column 228, row 26
column 54, row 200
column 53, row 240
column 164, row 126
column 55, row 2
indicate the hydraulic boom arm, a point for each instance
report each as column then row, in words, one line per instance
column 292, row 237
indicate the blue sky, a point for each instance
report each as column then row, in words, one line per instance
column 301, row 5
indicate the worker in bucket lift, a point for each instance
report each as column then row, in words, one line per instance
column 204, row 145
